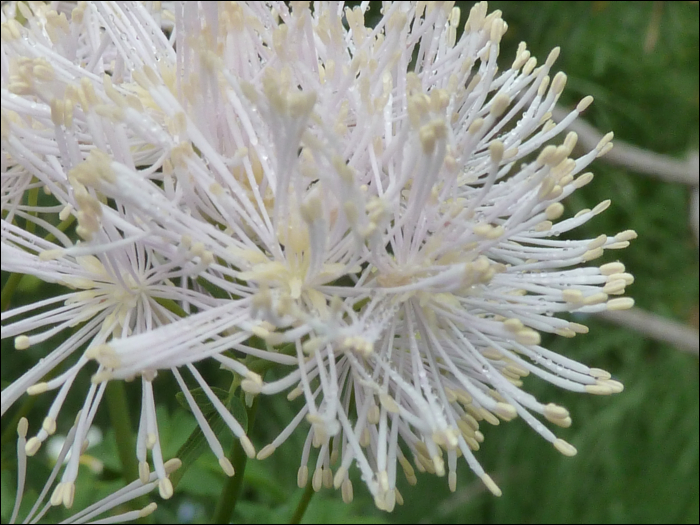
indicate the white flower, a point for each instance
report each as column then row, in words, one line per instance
column 378, row 204
column 118, row 293
column 130, row 492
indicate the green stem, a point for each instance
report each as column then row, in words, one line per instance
column 10, row 432
column 232, row 489
column 9, row 289
column 303, row 504
column 126, row 443
column 121, row 422
column 32, row 200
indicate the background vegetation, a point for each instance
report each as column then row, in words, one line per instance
column 638, row 451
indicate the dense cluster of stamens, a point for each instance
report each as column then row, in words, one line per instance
column 375, row 209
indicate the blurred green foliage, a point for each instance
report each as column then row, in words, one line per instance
column 638, row 451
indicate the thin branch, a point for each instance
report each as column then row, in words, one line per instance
column 680, row 335
column 694, row 219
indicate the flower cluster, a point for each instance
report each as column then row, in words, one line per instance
column 374, row 209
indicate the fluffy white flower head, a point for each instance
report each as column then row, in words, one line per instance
column 379, row 205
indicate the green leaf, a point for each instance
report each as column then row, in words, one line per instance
column 237, row 409
column 213, row 290
column 202, row 399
